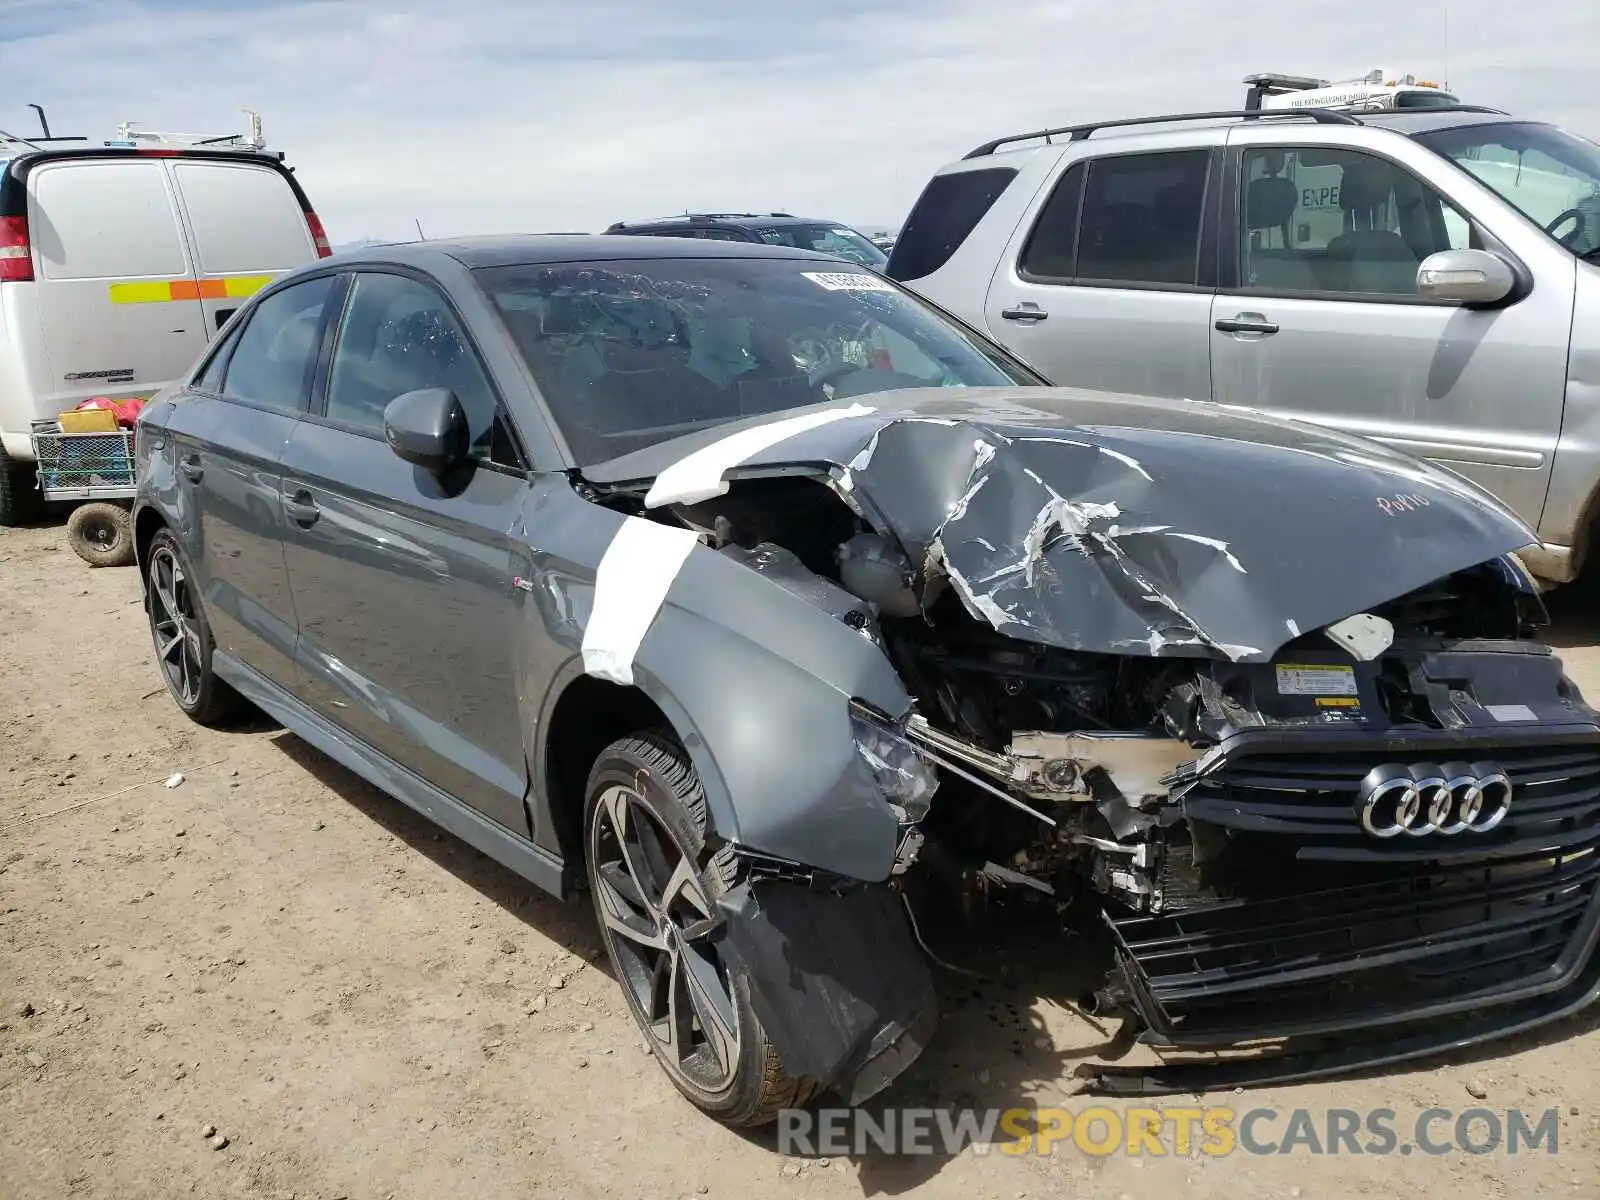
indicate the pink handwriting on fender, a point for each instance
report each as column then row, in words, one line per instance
column 1404, row 503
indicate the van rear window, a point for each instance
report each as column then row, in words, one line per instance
column 75, row 235
column 245, row 218
column 949, row 209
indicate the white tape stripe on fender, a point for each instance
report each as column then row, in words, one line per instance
column 630, row 587
column 698, row 476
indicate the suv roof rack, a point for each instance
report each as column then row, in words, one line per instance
column 1078, row 133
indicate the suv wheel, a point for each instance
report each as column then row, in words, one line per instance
column 21, row 502
column 183, row 637
column 655, row 879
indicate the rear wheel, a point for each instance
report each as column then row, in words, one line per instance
column 21, row 502
column 656, row 880
column 101, row 534
column 183, row 637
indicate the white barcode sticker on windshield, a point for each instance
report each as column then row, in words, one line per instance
column 847, row 281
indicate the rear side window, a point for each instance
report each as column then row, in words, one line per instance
column 245, row 218
column 1141, row 218
column 948, row 210
column 105, row 220
column 271, row 365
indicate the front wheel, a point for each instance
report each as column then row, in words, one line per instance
column 656, row 879
column 183, row 637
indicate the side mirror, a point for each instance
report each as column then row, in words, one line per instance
column 428, row 427
column 1474, row 277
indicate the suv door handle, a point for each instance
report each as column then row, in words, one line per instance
column 189, row 464
column 1247, row 323
column 1026, row 310
column 301, row 508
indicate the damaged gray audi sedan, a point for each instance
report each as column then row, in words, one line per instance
column 753, row 595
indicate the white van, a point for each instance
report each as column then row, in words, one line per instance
column 118, row 265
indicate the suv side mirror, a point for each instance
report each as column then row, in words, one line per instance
column 428, row 427
column 1474, row 277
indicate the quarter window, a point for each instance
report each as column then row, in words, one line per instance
column 1340, row 221
column 271, row 366
column 948, row 210
column 397, row 336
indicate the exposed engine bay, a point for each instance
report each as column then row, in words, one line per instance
column 1146, row 795
column 1301, row 777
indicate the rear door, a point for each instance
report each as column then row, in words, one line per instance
column 247, row 228
column 265, row 383
column 1107, row 281
column 113, row 301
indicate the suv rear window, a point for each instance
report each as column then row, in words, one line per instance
column 949, row 209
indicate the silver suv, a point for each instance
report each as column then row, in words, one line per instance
column 1429, row 279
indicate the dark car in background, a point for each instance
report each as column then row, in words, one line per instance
column 744, row 590
column 769, row 229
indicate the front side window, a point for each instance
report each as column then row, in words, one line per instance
column 630, row 353
column 1314, row 219
column 1141, row 218
column 835, row 240
column 398, row 335
column 1545, row 173
column 272, row 364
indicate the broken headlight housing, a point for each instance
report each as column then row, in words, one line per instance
column 906, row 779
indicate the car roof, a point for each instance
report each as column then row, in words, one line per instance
column 511, row 250
column 774, row 220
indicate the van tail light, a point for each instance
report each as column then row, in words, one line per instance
column 318, row 235
column 16, row 255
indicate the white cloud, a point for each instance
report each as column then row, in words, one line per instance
column 489, row 115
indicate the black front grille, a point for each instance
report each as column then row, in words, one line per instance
column 1308, row 797
column 1422, row 943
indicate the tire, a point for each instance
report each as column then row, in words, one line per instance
column 101, row 534
column 21, row 502
column 182, row 636
column 645, row 786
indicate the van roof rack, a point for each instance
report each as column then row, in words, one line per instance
column 251, row 141
column 1078, row 133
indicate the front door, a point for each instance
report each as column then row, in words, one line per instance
column 402, row 580
column 1320, row 320
column 1105, row 284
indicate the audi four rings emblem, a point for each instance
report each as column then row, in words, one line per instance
column 1424, row 798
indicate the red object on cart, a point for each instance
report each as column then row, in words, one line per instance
column 125, row 411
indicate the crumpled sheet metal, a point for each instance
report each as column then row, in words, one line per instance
column 1122, row 525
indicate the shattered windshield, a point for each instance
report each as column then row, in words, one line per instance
column 837, row 240
column 630, row 353
column 1549, row 175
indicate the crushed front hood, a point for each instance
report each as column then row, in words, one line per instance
column 1112, row 523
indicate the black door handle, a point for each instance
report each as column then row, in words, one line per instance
column 301, row 508
column 1026, row 311
column 1243, row 324
column 189, row 464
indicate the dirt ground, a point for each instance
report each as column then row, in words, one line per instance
column 365, row 1008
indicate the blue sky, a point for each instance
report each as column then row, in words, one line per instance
column 492, row 115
